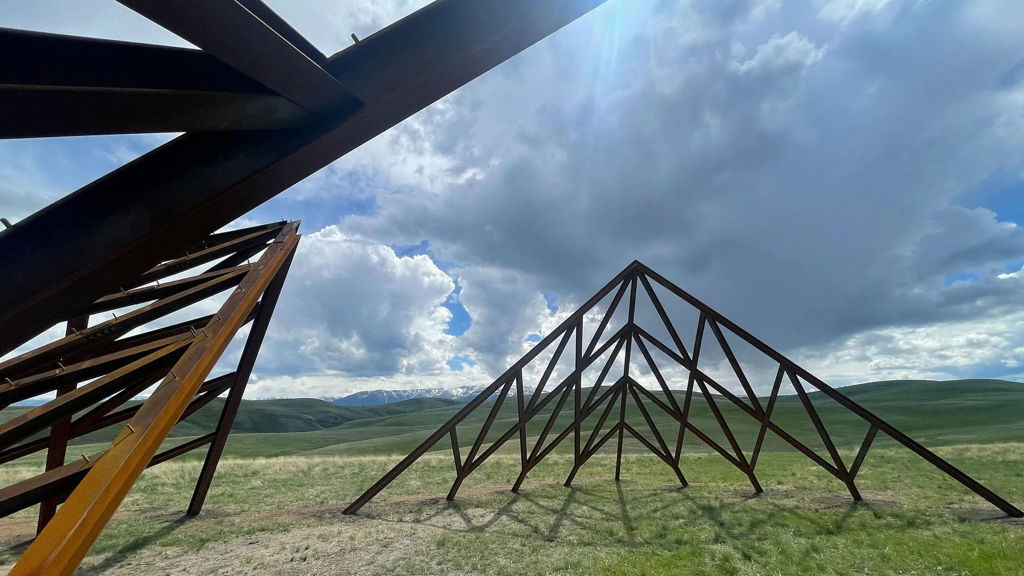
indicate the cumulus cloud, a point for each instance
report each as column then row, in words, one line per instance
column 802, row 168
column 353, row 306
column 804, row 181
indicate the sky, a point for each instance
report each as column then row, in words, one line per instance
column 842, row 178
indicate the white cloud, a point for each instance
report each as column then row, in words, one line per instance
column 846, row 11
column 351, row 305
column 781, row 52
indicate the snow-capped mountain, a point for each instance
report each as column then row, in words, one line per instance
column 373, row 397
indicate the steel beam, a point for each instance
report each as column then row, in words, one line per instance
column 245, row 365
column 241, row 39
column 175, row 195
column 60, row 547
column 55, row 85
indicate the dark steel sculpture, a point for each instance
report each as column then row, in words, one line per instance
column 261, row 108
column 97, row 370
column 700, row 386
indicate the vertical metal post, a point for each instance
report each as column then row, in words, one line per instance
column 625, row 373
column 689, row 387
column 577, row 399
column 60, row 432
column 245, row 364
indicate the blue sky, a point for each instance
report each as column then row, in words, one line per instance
column 843, row 178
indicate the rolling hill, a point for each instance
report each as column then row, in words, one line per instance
column 934, row 413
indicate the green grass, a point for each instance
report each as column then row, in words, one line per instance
column 275, row 506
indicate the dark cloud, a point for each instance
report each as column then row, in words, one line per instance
column 805, row 187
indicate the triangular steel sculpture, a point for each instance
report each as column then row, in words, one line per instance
column 157, row 335
column 607, row 397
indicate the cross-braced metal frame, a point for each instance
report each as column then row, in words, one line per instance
column 569, row 341
column 96, row 370
column 261, row 108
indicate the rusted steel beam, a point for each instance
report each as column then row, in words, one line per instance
column 83, row 425
column 625, row 374
column 46, row 59
column 60, row 433
column 664, row 316
column 183, row 448
column 521, row 425
column 577, row 394
column 59, row 482
column 539, row 390
column 865, row 445
column 653, row 366
column 550, row 447
column 66, row 86
column 535, row 454
column 586, row 452
column 285, row 30
column 825, row 438
column 540, row 406
column 60, row 375
column 767, row 417
column 50, row 111
column 720, row 418
column 693, row 428
column 238, row 37
column 40, row 417
column 470, row 457
column 455, row 451
column 667, row 459
column 665, row 454
column 631, row 386
column 52, row 483
column 604, row 371
column 698, row 341
column 607, row 317
column 727, row 349
column 158, row 291
column 111, row 329
column 64, row 542
column 241, row 377
column 228, row 235
column 209, row 391
column 255, row 239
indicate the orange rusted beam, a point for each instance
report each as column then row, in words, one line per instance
column 60, row 547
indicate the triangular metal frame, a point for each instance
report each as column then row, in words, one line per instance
column 605, row 397
column 96, row 370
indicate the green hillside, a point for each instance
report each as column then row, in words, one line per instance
column 934, row 413
column 285, row 415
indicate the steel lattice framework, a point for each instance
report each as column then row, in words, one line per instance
column 570, row 342
column 260, row 108
column 157, row 339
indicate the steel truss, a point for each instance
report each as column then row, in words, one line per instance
column 97, row 370
column 603, row 399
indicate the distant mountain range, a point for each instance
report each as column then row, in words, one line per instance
column 375, row 397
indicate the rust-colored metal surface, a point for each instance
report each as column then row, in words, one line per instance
column 639, row 282
column 109, row 367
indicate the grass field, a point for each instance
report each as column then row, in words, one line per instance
column 275, row 506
